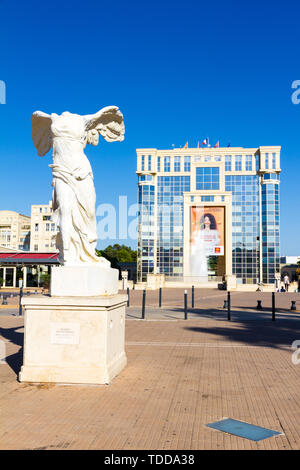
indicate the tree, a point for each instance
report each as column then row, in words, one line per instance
column 118, row 254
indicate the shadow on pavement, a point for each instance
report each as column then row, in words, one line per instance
column 15, row 361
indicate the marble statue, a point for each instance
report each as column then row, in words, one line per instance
column 74, row 197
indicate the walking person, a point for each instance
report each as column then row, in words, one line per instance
column 286, row 281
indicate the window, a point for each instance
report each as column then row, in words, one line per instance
column 158, row 163
column 47, row 227
column 36, row 247
column 36, row 227
column 149, row 162
column 176, row 164
column 266, row 161
column 207, row 178
column 167, row 164
column 143, row 163
column 238, row 163
column 207, row 198
column 41, row 209
column 248, row 162
column 257, row 162
column 217, row 159
column 227, row 162
column 273, row 161
column 187, row 163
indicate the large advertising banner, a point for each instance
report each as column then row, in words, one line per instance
column 206, row 238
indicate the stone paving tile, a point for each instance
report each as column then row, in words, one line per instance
column 180, row 376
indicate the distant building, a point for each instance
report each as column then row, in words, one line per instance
column 43, row 229
column 14, row 230
column 289, row 266
column 289, row 259
column 209, row 213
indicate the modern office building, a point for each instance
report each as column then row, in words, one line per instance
column 206, row 214
column 14, row 230
column 43, row 229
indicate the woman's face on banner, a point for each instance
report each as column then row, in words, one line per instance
column 207, row 222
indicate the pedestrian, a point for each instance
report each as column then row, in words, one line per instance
column 286, row 281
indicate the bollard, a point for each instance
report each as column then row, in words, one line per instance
column 228, row 307
column 259, row 306
column 293, row 306
column 159, row 299
column 128, row 297
column 20, row 301
column 144, row 304
column 273, row 306
column 4, row 302
column 193, row 296
column 185, row 305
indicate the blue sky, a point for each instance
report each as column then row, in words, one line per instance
column 179, row 71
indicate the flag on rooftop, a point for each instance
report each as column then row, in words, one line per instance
column 204, row 142
column 217, row 145
column 186, row 145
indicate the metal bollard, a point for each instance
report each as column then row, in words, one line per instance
column 4, row 302
column 193, row 296
column 128, row 297
column 273, row 306
column 20, row 301
column 228, row 307
column 259, row 306
column 293, row 306
column 144, row 304
column 185, row 305
column 160, row 297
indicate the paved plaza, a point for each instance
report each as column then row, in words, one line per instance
column 181, row 375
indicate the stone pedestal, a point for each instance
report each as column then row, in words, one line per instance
column 73, row 339
column 83, row 280
column 230, row 282
column 155, row 281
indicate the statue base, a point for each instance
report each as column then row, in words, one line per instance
column 73, row 340
column 83, row 281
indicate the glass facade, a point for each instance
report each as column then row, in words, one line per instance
column 207, row 178
column 146, row 200
column 270, row 231
column 170, row 223
column 245, row 226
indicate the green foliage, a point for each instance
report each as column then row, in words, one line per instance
column 118, row 254
column 45, row 280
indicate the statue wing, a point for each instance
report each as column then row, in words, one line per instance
column 41, row 134
column 108, row 122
